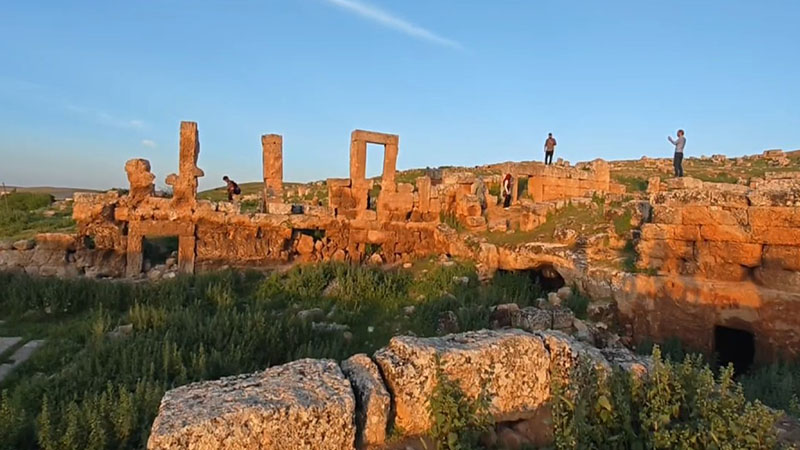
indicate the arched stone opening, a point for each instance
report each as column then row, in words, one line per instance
column 736, row 346
column 545, row 276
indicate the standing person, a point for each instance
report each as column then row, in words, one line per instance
column 549, row 148
column 677, row 159
column 233, row 188
column 507, row 191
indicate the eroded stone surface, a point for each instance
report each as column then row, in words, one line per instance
column 511, row 367
column 306, row 404
column 372, row 399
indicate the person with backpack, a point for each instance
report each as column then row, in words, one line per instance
column 233, row 188
column 677, row 159
column 549, row 148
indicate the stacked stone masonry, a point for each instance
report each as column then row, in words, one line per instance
column 725, row 256
column 312, row 404
column 403, row 222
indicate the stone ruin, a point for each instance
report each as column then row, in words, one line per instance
column 321, row 404
column 405, row 223
column 720, row 258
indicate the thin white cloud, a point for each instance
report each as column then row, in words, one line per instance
column 106, row 118
column 387, row 19
column 149, row 143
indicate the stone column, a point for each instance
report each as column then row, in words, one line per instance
column 358, row 159
column 390, row 150
column 134, row 256
column 272, row 159
column 184, row 184
column 186, row 254
column 424, row 192
column 514, row 188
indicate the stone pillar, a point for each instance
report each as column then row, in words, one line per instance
column 272, row 159
column 186, row 254
column 134, row 256
column 536, row 188
column 424, row 192
column 184, row 184
column 358, row 159
column 514, row 188
column 389, row 166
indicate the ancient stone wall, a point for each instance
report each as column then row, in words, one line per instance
column 315, row 404
column 725, row 255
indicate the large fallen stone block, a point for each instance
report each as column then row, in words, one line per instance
column 372, row 399
column 305, row 404
column 510, row 367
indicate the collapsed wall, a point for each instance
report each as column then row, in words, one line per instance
column 312, row 404
column 724, row 256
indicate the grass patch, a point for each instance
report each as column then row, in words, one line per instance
column 25, row 201
column 631, row 183
column 23, row 224
column 86, row 389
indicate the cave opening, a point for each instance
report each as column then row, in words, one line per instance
column 544, row 276
column 735, row 346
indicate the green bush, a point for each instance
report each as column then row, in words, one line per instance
column 677, row 406
column 578, row 303
column 777, row 385
column 458, row 421
column 25, row 201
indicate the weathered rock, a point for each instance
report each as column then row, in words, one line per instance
column 306, row 404
column 509, row 366
column 562, row 318
column 311, row 314
column 532, row 319
column 372, row 399
column 564, row 293
column 24, row 244
column 447, row 323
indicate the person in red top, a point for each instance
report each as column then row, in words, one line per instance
column 549, row 148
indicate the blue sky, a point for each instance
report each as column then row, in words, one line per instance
column 84, row 86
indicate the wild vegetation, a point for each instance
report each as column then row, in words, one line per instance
column 23, row 214
column 97, row 385
column 93, row 387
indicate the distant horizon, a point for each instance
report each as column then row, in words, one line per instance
column 87, row 85
column 163, row 187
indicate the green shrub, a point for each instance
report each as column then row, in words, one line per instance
column 622, row 224
column 458, row 421
column 578, row 303
column 777, row 385
column 451, row 220
column 676, row 406
column 25, row 201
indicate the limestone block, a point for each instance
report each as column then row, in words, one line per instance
column 776, row 235
column 532, row 319
column 424, row 192
column 278, row 208
column 782, row 256
column 509, row 366
column 305, row 404
column 669, row 215
column 745, row 254
column 774, row 216
column 272, row 161
column 677, row 232
column 566, row 352
column 372, row 399
column 305, row 244
column 56, row 241
column 725, row 233
column 140, row 179
column 783, row 280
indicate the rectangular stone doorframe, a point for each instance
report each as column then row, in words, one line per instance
column 139, row 230
column 358, row 158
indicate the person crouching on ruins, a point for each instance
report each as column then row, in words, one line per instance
column 549, row 148
column 233, row 188
column 677, row 159
column 507, row 191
